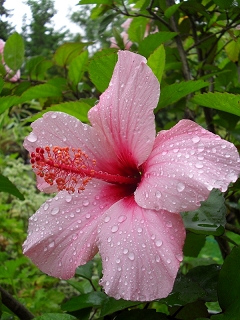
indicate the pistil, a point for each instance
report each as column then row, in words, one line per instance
column 71, row 169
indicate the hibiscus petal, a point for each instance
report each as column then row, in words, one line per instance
column 62, row 233
column 186, row 163
column 125, row 111
column 63, row 130
column 141, row 251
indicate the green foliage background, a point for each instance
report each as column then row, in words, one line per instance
column 193, row 48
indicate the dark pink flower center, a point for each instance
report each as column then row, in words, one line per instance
column 71, row 169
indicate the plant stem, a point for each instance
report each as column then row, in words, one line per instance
column 15, row 306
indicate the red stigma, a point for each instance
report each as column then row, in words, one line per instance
column 66, row 167
column 71, row 169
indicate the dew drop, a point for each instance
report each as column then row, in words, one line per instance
column 195, row 139
column 74, row 236
column 158, row 194
column 131, row 256
column 68, row 198
column 107, row 219
column 52, row 244
column 125, row 251
column 168, row 261
column 180, row 187
column 169, row 224
column 139, row 230
column 85, row 203
column 158, row 243
column 118, row 261
column 198, row 165
column 121, row 218
column 32, row 137
column 54, row 211
column 179, row 257
column 114, row 229
column 72, row 215
column 87, row 215
column 46, row 206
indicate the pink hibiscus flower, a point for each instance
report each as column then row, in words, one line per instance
column 15, row 77
column 121, row 188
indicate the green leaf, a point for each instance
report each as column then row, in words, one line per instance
column 55, row 316
column 137, row 29
column 77, row 68
column 76, row 109
column 67, row 52
column 156, row 62
column 14, row 52
column 174, row 92
column 7, row 186
column 196, row 310
column 37, row 66
column 111, row 305
column 92, row 299
column 85, row 271
column 193, row 244
column 221, row 101
column 142, row 314
column 101, row 68
column 233, row 50
column 228, row 287
column 1, row 84
column 171, row 10
column 95, row 2
column 153, row 41
column 105, row 22
column 224, row 4
column 118, row 38
column 210, row 218
column 207, row 278
column 7, row 102
column 200, row 283
column 40, row 91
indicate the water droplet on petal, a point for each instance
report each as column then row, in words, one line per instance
column 118, row 261
column 158, row 194
column 54, row 116
column 52, row 244
column 139, row 230
column 85, row 203
column 54, row 211
column 198, row 165
column 114, row 229
column 125, row 251
column 121, row 218
column 158, row 243
column 74, row 236
column 46, row 206
column 32, row 137
column 179, row 257
column 68, row 198
column 107, row 219
column 87, row 215
column 169, row 224
column 131, row 256
column 180, row 187
column 195, row 139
